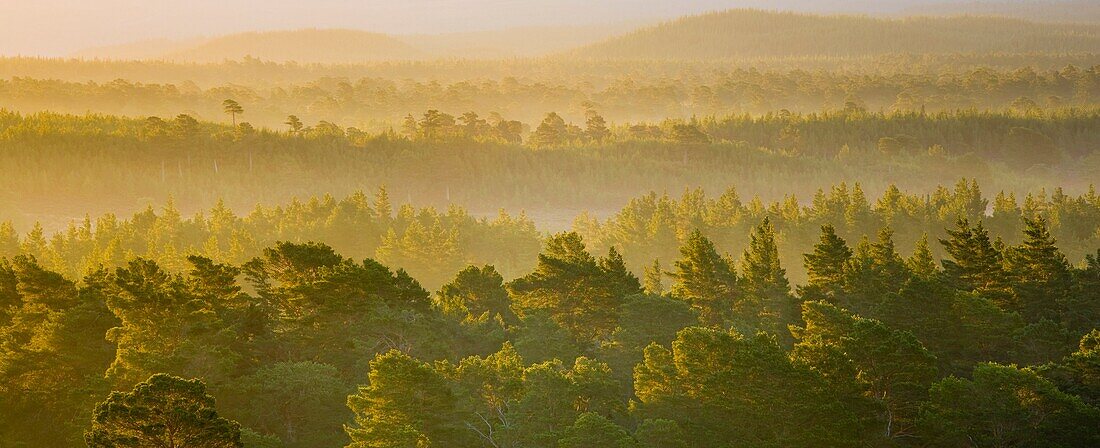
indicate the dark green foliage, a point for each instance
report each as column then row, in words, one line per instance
column 162, row 412
column 477, row 291
column 580, row 293
column 1006, row 406
column 301, row 404
column 825, row 267
column 1079, row 373
column 284, row 337
column 591, row 430
column 890, row 367
column 975, row 264
column 1042, row 280
column 705, row 280
column 720, row 386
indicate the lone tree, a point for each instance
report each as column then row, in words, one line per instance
column 294, row 122
column 232, row 108
column 163, row 412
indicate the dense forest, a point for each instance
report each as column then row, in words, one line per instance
column 876, row 347
column 735, row 229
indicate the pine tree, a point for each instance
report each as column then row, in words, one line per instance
column 595, row 126
column 765, row 282
column 1041, row 278
column 825, row 267
column 382, row 205
column 580, row 293
column 232, row 108
column 407, row 403
column 164, row 411
column 889, row 267
column 410, row 128
column 921, row 263
column 617, row 276
column 9, row 240
column 654, row 278
column 976, row 264
column 294, row 123
column 551, row 132
column 705, row 280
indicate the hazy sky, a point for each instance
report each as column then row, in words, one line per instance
column 60, row 27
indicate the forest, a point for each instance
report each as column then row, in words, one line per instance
column 847, row 224
column 875, row 347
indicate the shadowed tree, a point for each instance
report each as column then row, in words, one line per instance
column 825, row 267
column 295, row 124
column 1006, row 406
column 163, row 412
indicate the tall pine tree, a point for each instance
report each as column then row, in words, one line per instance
column 705, row 280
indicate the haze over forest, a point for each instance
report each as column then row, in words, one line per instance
column 569, row 224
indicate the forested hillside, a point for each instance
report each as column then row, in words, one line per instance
column 1072, row 11
column 754, row 33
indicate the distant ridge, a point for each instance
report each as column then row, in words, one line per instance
column 351, row 46
column 328, row 46
column 748, row 33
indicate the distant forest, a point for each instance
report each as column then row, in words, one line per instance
column 61, row 167
column 374, row 102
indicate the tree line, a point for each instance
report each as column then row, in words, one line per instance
column 372, row 102
column 60, row 166
column 432, row 244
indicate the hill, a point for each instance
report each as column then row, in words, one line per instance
column 746, row 33
column 517, row 42
column 305, row 46
column 1067, row 11
column 350, row 46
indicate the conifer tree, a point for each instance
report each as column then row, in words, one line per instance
column 573, row 287
column 164, row 411
column 765, row 281
column 654, row 278
column 477, row 290
column 921, row 263
column 232, row 108
column 825, row 267
column 595, row 126
column 976, row 264
column 617, row 276
column 382, row 205
column 705, row 280
column 406, row 403
column 294, row 123
column 1042, row 279
column 890, row 269
column 551, row 132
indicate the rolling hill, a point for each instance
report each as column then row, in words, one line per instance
column 350, row 46
column 746, row 33
column 306, row 46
